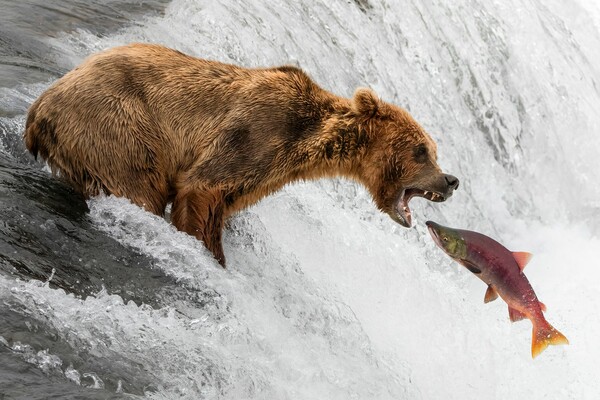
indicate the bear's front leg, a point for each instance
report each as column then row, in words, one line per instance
column 199, row 212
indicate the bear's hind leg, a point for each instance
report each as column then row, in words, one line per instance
column 146, row 191
column 199, row 212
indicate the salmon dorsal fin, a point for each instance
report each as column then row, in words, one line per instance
column 522, row 258
column 490, row 294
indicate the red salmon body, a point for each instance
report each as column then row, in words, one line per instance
column 502, row 271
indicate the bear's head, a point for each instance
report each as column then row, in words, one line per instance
column 400, row 161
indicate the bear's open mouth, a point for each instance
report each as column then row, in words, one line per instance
column 403, row 211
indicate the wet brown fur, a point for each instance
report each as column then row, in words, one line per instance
column 157, row 126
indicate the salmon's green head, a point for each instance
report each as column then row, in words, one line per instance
column 448, row 239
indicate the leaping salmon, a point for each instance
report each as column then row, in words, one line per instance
column 502, row 271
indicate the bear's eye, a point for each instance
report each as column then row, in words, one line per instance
column 420, row 153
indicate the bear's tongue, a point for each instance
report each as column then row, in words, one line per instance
column 403, row 211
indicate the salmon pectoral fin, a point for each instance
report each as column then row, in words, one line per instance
column 543, row 336
column 542, row 306
column 515, row 315
column 490, row 294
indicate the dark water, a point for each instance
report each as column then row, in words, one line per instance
column 26, row 24
column 44, row 228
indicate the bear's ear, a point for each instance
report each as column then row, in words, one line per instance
column 365, row 102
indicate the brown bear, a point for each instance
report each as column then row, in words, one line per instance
column 158, row 126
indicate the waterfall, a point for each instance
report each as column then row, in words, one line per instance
column 325, row 297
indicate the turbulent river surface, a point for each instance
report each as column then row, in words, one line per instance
column 324, row 297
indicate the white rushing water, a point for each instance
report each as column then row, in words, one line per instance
column 326, row 298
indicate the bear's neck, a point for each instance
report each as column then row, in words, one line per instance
column 335, row 148
column 338, row 147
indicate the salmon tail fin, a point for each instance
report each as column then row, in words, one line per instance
column 543, row 336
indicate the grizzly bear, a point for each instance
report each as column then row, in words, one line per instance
column 157, row 126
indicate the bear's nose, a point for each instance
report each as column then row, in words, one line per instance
column 452, row 182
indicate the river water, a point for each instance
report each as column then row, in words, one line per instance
column 324, row 297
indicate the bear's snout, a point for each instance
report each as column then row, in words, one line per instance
column 442, row 184
column 436, row 187
column 452, row 183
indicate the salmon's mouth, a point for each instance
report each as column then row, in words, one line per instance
column 433, row 231
column 402, row 210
